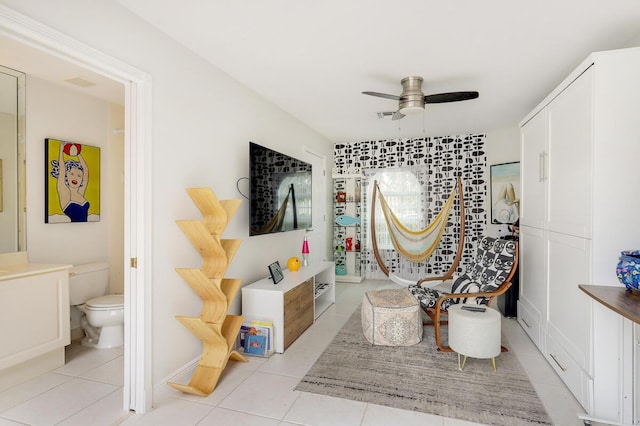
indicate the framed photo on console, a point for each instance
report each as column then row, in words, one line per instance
column 276, row 272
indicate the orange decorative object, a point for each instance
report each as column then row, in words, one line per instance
column 293, row 264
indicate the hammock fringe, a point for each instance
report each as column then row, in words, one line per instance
column 416, row 246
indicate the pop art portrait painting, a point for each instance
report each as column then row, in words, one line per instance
column 72, row 182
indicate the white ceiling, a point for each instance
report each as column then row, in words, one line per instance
column 35, row 63
column 314, row 58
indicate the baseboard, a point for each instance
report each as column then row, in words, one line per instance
column 17, row 374
column 181, row 375
column 77, row 334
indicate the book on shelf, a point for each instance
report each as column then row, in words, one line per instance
column 241, row 335
column 256, row 328
column 265, row 328
column 321, row 287
column 255, row 344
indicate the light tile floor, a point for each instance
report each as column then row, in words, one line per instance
column 88, row 389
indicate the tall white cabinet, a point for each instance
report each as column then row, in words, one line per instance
column 579, row 155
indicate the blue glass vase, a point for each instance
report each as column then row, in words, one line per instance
column 628, row 269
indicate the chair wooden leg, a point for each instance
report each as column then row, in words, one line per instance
column 438, row 341
column 437, row 323
column 425, row 323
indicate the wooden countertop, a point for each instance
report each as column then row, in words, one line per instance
column 619, row 299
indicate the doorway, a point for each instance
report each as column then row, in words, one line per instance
column 137, row 374
column 317, row 234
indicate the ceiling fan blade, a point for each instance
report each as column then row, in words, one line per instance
column 449, row 97
column 397, row 115
column 382, row 95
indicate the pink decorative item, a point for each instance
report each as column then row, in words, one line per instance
column 305, row 252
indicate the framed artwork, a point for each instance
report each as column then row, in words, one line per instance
column 276, row 272
column 72, row 182
column 505, row 193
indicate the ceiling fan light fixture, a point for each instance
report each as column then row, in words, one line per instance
column 412, row 100
column 407, row 110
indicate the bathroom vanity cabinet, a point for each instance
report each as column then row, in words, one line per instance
column 34, row 319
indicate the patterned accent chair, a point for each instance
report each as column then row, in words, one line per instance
column 487, row 277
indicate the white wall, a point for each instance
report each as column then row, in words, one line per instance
column 502, row 146
column 55, row 112
column 203, row 121
column 633, row 42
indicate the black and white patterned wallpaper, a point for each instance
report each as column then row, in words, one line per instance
column 437, row 162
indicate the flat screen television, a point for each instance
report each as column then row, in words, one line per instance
column 280, row 192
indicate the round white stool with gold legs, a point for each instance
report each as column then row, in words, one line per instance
column 474, row 331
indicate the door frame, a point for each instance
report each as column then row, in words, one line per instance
column 137, row 189
column 318, row 232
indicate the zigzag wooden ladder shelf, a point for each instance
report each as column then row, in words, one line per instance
column 213, row 327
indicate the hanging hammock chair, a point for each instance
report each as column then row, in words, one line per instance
column 416, row 246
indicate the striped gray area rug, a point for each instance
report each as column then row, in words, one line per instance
column 420, row 378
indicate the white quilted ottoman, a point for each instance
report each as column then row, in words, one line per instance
column 474, row 333
column 391, row 318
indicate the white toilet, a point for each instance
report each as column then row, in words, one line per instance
column 103, row 319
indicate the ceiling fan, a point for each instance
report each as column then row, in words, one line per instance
column 412, row 99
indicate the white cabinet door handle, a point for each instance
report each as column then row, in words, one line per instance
column 556, row 361
column 540, row 167
column 543, row 169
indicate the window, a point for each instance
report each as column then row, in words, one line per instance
column 401, row 189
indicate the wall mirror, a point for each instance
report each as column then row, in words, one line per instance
column 12, row 161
